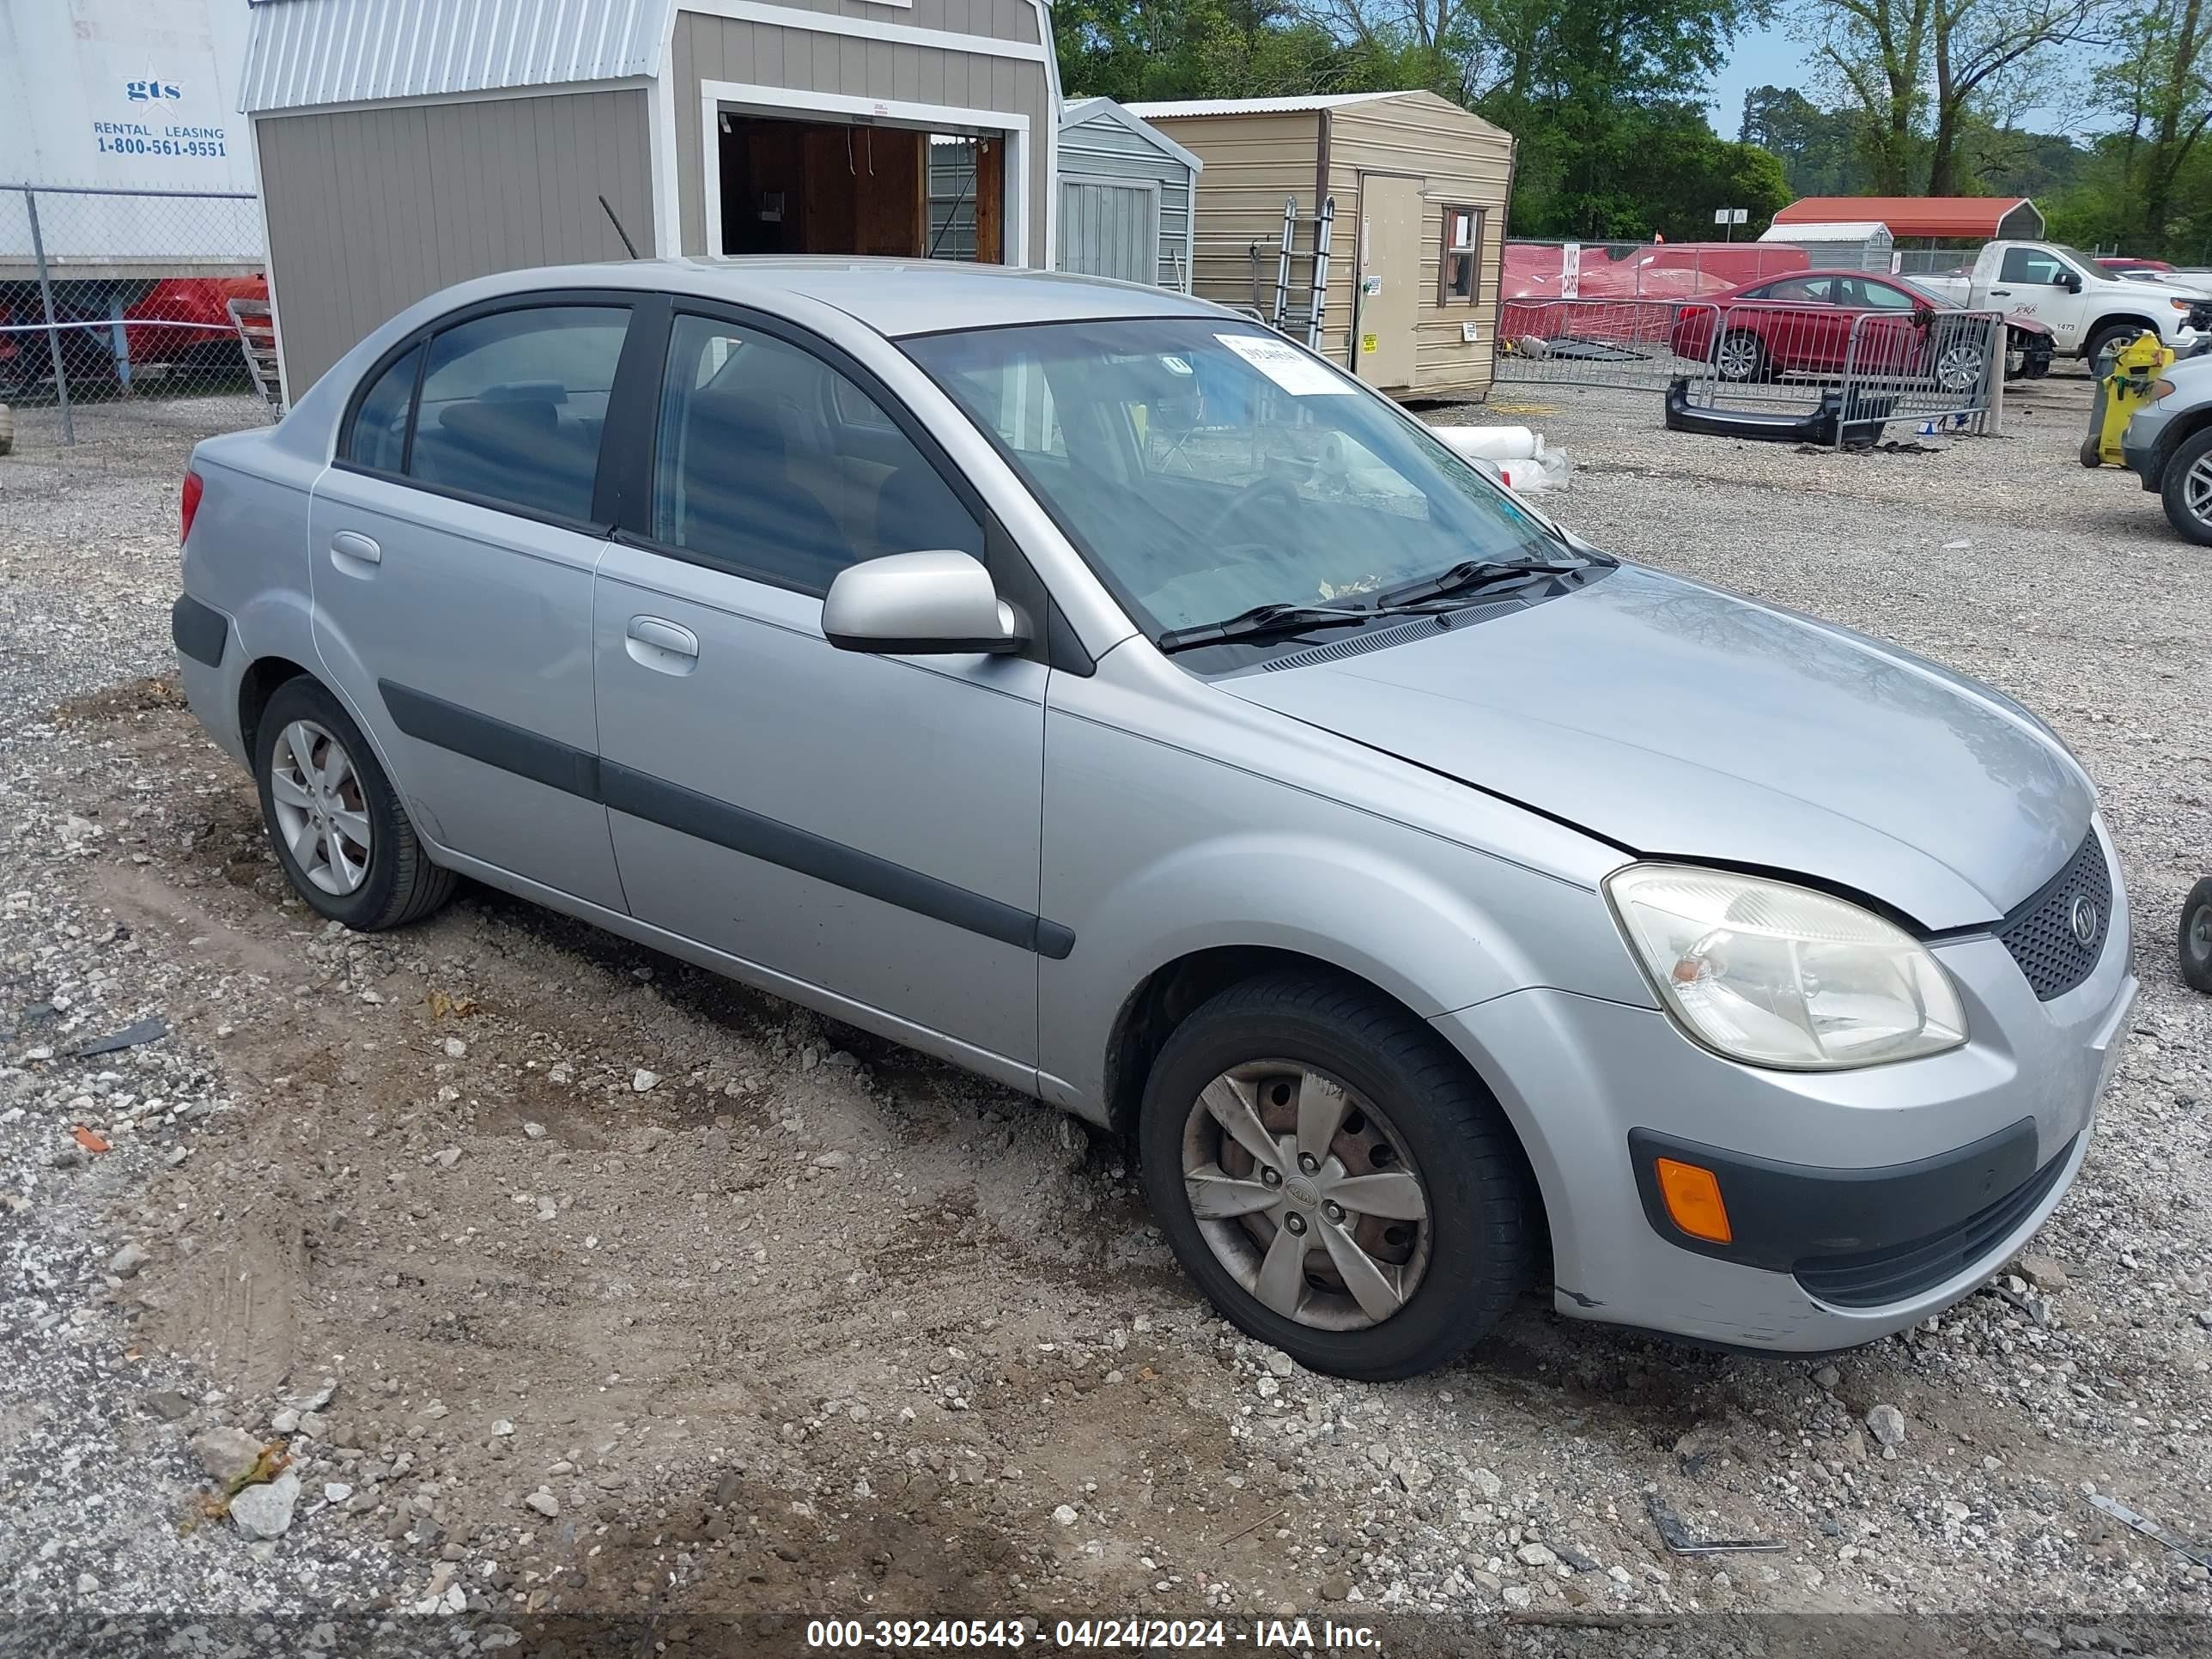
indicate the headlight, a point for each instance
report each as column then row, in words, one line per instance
column 1782, row 976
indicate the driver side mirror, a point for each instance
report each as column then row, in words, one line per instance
column 935, row 604
column 2069, row 280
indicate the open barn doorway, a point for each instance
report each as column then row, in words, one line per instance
column 860, row 186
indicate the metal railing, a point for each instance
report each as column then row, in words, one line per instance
column 1903, row 370
column 1938, row 366
column 1627, row 344
column 114, row 313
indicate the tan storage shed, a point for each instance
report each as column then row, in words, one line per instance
column 1420, row 188
column 402, row 145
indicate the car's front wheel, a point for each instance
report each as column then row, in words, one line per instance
column 1333, row 1177
column 2185, row 487
column 340, row 834
column 2197, row 936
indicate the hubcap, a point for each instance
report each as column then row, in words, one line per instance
column 1739, row 357
column 2200, row 934
column 320, row 809
column 2197, row 490
column 1307, row 1194
column 1958, row 367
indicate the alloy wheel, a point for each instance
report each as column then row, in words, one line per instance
column 320, row 808
column 1958, row 368
column 1737, row 358
column 1307, row 1194
column 2197, row 490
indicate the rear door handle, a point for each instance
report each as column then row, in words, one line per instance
column 658, row 644
column 350, row 546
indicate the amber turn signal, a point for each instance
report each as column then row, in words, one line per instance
column 1693, row 1201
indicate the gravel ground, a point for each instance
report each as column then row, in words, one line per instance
column 596, row 1301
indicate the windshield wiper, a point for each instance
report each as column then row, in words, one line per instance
column 1263, row 620
column 1470, row 574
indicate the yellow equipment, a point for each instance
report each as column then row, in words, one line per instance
column 2123, row 387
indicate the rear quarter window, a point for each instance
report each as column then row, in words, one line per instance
column 378, row 439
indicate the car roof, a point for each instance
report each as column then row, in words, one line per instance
column 895, row 297
column 1820, row 270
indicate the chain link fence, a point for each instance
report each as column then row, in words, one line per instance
column 119, row 320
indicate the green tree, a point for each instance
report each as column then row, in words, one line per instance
column 1919, row 74
column 1874, row 53
column 1974, row 45
column 1817, row 148
column 2160, row 88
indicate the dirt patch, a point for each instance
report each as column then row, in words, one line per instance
column 150, row 696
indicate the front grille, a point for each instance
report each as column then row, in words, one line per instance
column 2040, row 934
column 1875, row 1278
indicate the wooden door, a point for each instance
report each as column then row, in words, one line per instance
column 1388, row 289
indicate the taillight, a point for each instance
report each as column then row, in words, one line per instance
column 188, row 505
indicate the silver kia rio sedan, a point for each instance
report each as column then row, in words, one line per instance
column 1086, row 685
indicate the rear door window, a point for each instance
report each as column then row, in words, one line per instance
column 514, row 404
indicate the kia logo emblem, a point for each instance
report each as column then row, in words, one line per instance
column 2085, row 919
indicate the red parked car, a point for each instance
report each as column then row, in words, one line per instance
column 1803, row 323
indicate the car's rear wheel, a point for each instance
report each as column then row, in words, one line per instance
column 1741, row 357
column 2185, row 487
column 2197, row 936
column 340, row 834
column 1336, row 1181
column 1958, row 368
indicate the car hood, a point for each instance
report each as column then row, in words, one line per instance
column 1679, row 721
column 2171, row 287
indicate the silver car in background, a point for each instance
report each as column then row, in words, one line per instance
column 1084, row 684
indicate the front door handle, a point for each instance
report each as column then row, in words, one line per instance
column 2000, row 293
column 658, row 644
column 350, row 547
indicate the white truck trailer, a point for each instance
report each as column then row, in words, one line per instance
column 121, row 118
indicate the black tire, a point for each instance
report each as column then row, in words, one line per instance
column 1761, row 366
column 2196, row 937
column 2119, row 334
column 2173, row 488
column 400, row 885
column 1477, row 1190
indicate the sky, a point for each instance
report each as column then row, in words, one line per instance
column 1763, row 58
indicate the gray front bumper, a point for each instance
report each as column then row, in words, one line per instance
column 1578, row 1076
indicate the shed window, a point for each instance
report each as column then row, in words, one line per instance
column 1459, row 280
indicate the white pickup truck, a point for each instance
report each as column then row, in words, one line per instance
column 2086, row 308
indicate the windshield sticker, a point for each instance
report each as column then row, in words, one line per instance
column 1286, row 366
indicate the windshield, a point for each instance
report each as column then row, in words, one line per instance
column 1205, row 467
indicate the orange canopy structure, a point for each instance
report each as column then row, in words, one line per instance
column 1944, row 218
